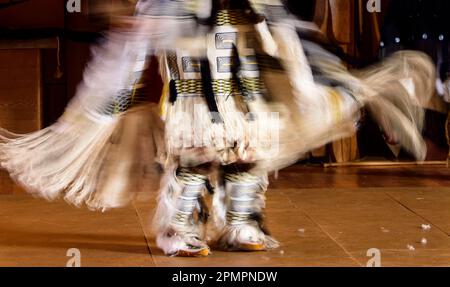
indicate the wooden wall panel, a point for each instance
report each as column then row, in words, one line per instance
column 54, row 98
column 78, row 55
column 34, row 14
column 342, row 20
column 20, row 90
column 336, row 20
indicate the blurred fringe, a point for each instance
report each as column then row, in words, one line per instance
column 404, row 84
column 87, row 161
column 315, row 114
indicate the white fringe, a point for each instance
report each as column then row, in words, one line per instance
column 311, row 119
column 231, row 237
column 85, row 161
column 192, row 136
column 51, row 160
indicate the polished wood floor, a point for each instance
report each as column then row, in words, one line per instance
column 322, row 217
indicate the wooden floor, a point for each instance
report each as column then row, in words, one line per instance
column 322, row 217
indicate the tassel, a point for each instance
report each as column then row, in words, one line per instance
column 173, row 91
column 236, row 71
column 209, row 91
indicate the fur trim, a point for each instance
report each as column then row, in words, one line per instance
column 172, row 245
column 171, row 237
column 232, row 237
